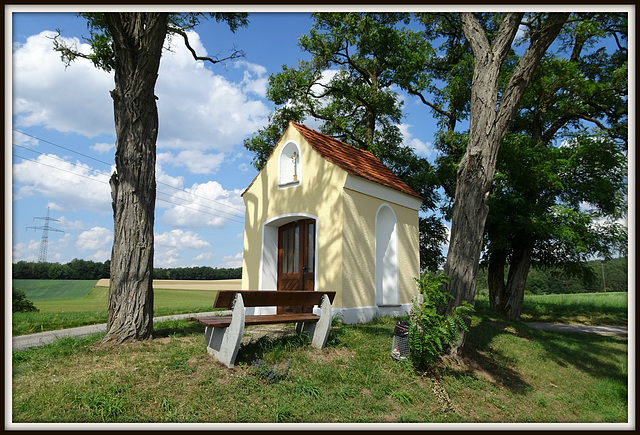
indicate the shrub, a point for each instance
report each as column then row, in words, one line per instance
column 431, row 333
column 20, row 302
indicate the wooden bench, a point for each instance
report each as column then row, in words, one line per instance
column 223, row 334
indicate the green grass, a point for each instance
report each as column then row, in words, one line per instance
column 51, row 289
column 510, row 373
column 584, row 308
column 91, row 309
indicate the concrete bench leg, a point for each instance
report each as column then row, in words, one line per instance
column 321, row 328
column 223, row 343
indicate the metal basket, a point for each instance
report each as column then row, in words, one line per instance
column 400, row 348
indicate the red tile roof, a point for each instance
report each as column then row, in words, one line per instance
column 351, row 159
column 354, row 160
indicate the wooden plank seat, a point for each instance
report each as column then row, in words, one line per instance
column 223, row 334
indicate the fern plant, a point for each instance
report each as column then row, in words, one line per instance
column 431, row 333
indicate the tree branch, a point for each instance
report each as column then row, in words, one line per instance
column 235, row 55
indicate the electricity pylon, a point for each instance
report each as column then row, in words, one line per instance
column 44, row 242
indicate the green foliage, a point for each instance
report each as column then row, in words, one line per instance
column 430, row 332
column 20, row 303
column 554, row 280
column 357, row 63
column 102, row 55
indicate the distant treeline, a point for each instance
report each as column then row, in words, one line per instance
column 83, row 269
column 201, row 272
column 551, row 281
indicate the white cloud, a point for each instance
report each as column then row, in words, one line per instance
column 197, row 108
column 101, row 256
column 423, row 149
column 204, row 256
column 203, row 205
column 162, row 178
column 196, row 161
column 93, row 239
column 168, row 247
column 74, row 185
column 103, row 148
column 166, row 258
column 180, row 239
column 201, row 110
column 66, row 224
column 73, row 99
column 232, row 261
column 26, row 251
column 21, row 139
column 255, row 78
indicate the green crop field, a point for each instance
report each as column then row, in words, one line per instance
column 77, row 307
column 52, row 289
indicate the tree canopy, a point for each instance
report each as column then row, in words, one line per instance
column 358, row 60
column 131, row 44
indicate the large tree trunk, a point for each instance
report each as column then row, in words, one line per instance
column 137, row 45
column 495, row 280
column 488, row 124
column 506, row 298
column 518, row 272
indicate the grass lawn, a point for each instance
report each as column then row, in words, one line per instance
column 583, row 308
column 510, row 373
column 91, row 309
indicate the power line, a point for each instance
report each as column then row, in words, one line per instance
column 157, row 199
column 64, row 148
column 109, row 165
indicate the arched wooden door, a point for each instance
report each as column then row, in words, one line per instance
column 296, row 258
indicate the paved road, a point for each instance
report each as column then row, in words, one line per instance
column 24, row 342
column 602, row 330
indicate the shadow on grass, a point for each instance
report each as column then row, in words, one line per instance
column 177, row 328
column 588, row 353
column 479, row 354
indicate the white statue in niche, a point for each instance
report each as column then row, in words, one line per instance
column 289, row 169
column 294, row 159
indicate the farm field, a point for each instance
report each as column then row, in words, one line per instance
column 52, row 289
column 219, row 284
column 80, row 307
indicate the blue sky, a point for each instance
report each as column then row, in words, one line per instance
column 63, row 139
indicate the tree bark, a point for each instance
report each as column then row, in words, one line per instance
column 488, row 123
column 137, row 45
column 506, row 298
column 495, row 280
column 517, row 279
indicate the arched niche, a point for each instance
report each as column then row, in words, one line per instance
column 386, row 274
column 289, row 166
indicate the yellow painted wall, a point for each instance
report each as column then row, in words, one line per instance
column 319, row 194
column 359, row 249
column 346, row 227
